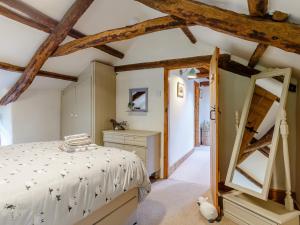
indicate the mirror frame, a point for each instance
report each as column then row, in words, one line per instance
column 238, row 140
column 146, row 100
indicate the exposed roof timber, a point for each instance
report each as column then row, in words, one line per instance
column 120, row 34
column 204, row 84
column 170, row 64
column 283, row 35
column 41, row 21
column 257, row 54
column 189, row 34
column 41, row 73
column 258, row 7
column 225, row 63
column 46, row 49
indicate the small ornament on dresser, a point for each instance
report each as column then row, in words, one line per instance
column 119, row 125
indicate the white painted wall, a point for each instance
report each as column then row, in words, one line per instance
column 6, row 125
column 204, row 104
column 181, row 117
column 34, row 117
column 151, row 79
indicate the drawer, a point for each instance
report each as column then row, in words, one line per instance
column 243, row 215
column 135, row 140
column 114, row 145
column 113, row 138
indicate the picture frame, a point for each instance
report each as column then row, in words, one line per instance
column 180, row 90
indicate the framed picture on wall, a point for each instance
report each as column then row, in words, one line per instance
column 180, row 90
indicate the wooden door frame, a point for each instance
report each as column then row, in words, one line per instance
column 197, row 141
column 166, row 114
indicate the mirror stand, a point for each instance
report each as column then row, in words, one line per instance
column 284, row 130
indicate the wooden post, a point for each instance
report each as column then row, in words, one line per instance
column 284, row 129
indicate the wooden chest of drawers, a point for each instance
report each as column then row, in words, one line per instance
column 145, row 144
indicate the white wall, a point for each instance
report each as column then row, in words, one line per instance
column 34, row 117
column 204, row 104
column 151, row 79
column 6, row 125
column 181, row 118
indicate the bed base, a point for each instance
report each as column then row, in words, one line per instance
column 120, row 211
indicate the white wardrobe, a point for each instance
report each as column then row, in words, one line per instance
column 89, row 104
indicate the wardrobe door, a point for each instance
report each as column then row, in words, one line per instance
column 83, row 106
column 68, row 111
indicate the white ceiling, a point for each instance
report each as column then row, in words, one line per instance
column 19, row 42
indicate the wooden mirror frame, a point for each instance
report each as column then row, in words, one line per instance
column 273, row 151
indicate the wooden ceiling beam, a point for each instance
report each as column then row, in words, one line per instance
column 46, row 49
column 186, row 30
column 225, row 63
column 197, row 61
column 121, row 34
column 41, row 73
column 258, row 7
column 257, row 54
column 283, row 35
column 41, row 21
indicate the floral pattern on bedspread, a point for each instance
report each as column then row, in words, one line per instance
column 39, row 184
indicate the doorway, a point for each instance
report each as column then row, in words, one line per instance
column 170, row 164
column 188, row 160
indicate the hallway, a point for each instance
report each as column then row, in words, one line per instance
column 196, row 169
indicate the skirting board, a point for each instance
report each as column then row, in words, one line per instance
column 180, row 161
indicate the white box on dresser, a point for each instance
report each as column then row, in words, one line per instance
column 146, row 144
column 247, row 210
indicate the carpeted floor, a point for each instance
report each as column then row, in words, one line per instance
column 173, row 201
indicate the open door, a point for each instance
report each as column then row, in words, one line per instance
column 214, row 125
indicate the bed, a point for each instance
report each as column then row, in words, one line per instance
column 39, row 184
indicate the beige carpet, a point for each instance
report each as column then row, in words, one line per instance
column 195, row 169
column 173, row 202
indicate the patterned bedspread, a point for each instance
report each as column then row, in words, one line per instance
column 39, row 184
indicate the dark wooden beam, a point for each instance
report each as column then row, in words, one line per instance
column 41, row 73
column 41, row 21
column 283, row 35
column 225, row 63
column 204, row 84
column 189, row 34
column 121, row 34
column 258, row 7
column 169, row 64
column 257, row 54
column 280, row 16
column 46, row 49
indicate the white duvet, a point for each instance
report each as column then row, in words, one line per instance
column 39, row 184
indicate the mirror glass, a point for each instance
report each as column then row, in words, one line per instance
column 138, row 99
column 256, row 139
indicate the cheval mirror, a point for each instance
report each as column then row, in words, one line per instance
column 255, row 148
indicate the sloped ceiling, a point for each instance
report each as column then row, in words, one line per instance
column 19, row 42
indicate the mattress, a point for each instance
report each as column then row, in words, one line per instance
column 39, row 184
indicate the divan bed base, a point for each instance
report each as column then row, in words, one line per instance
column 120, row 211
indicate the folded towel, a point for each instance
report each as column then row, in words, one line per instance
column 67, row 148
column 76, row 136
column 85, row 141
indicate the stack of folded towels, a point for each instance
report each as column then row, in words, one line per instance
column 77, row 143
